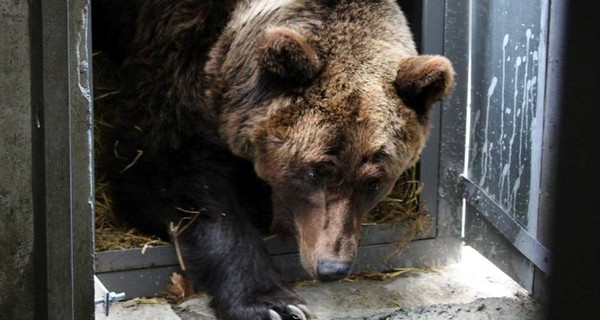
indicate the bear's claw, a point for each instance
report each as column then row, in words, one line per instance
column 296, row 312
column 274, row 315
column 299, row 312
column 309, row 314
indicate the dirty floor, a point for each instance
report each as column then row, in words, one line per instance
column 472, row 289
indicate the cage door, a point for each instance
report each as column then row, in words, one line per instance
column 502, row 180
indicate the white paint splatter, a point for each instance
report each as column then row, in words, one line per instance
column 486, row 143
column 502, row 106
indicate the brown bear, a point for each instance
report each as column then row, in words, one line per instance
column 235, row 113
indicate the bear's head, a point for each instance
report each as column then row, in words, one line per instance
column 331, row 113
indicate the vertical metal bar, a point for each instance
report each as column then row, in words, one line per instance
column 433, row 26
column 550, row 154
column 62, row 161
column 453, row 121
column 432, row 36
column 38, row 163
column 82, row 157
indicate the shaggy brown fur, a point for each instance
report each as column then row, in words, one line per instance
column 326, row 101
column 338, row 91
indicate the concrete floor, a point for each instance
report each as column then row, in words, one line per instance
column 472, row 289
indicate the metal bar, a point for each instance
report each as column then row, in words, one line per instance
column 130, row 259
column 506, row 225
column 62, row 160
column 147, row 282
column 551, row 153
column 433, row 26
column 453, row 122
column 432, row 36
column 150, row 281
column 371, row 234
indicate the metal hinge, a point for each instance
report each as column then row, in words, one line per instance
column 104, row 297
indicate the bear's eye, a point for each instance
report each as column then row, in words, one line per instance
column 373, row 185
column 315, row 176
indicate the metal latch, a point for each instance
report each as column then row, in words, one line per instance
column 104, row 297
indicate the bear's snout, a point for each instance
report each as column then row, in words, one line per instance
column 328, row 246
column 332, row 270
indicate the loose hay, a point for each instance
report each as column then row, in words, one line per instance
column 110, row 235
column 402, row 206
column 374, row 276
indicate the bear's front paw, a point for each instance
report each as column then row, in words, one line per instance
column 293, row 312
column 279, row 310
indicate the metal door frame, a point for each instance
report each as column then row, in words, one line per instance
column 63, row 158
column 62, row 138
column 441, row 247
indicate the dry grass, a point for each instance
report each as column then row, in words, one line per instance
column 374, row 276
column 403, row 206
column 110, row 235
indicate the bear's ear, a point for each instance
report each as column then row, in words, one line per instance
column 285, row 54
column 423, row 80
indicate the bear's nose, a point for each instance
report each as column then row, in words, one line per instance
column 332, row 270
